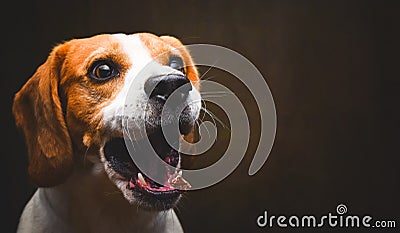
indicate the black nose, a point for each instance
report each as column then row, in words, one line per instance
column 161, row 87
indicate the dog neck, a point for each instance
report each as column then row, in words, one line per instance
column 89, row 202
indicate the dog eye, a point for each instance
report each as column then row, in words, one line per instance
column 103, row 70
column 177, row 64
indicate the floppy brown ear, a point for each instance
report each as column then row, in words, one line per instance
column 192, row 73
column 37, row 111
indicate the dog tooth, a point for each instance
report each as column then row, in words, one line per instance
column 179, row 182
column 180, row 172
column 141, row 179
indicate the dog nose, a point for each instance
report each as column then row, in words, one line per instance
column 161, row 87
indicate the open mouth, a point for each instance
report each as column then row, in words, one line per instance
column 147, row 192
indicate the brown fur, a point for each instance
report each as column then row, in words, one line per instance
column 51, row 137
column 37, row 111
column 59, row 109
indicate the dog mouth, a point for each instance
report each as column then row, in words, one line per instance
column 147, row 192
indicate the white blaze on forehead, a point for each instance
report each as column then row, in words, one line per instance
column 132, row 45
column 142, row 67
column 138, row 56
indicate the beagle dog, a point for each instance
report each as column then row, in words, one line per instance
column 71, row 112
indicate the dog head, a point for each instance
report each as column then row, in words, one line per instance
column 74, row 106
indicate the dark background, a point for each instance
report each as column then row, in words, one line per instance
column 332, row 67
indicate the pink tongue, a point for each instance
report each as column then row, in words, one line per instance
column 160, row 189
column 134, row 183
column 167, row 160
column 131, row 183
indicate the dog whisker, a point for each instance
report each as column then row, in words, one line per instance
column 210, row 77
column 215, row 92
column 116, row 192
column 126, row 132
column 138, row 127
column 205, row 110
column 206, row 127
column 215, row 96
column 212, row 66
column 214, row 117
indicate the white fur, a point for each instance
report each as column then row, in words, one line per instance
column 89, row 202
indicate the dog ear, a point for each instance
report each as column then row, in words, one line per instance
column 38, row 112
column 191, row 69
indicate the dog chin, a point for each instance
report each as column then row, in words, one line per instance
column 138, row 199
column 136, row 187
